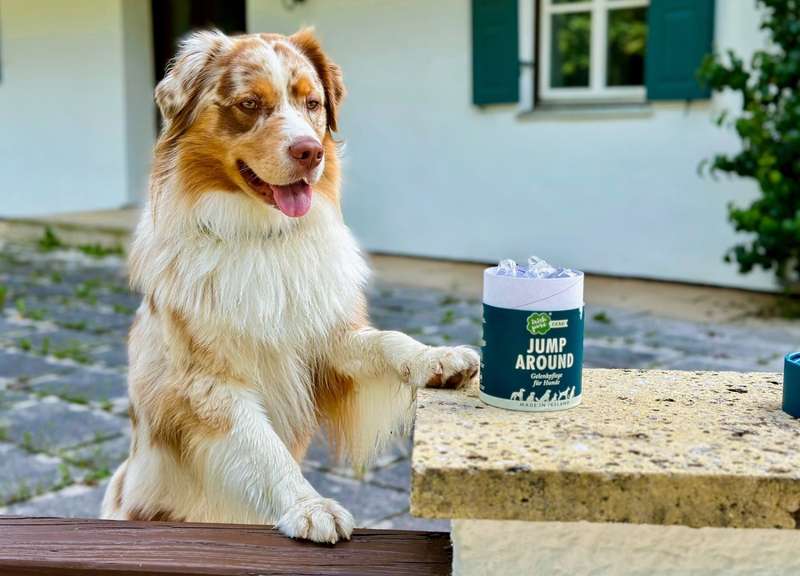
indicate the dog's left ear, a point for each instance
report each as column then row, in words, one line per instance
column 329, row 73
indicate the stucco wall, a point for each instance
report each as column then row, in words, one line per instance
column 63, row 137
column 427, row 173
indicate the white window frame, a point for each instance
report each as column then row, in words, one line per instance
column 597, row 91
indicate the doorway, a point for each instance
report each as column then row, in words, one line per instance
column 173, row 19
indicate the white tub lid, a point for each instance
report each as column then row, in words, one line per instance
column 523, row 293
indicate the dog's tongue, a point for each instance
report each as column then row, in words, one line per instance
column 293, row 199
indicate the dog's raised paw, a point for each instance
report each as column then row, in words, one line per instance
column 317, row 519
column 445, row 367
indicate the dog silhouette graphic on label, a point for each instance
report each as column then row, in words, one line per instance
column 545, row 397
column 572, row 393
column 518, row 395
column 531, row 397
column 563, row 395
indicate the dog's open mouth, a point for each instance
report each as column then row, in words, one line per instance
column 292, row 199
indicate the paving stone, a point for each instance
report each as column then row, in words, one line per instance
column 602, row 322
column 76, row 345
column 36, row 292
column 408, row 522
column 77, row 501
column 434, row 340
column 121, row 300
column 400, row 299
column 366, row 502
column 397, row 475
column 699, row 363
column 24, row 475
column 18, row 365
column 599, row 356
column 318, row 456
column 10, row 397
column 113, row 357
column 91, row 318
column 51, row 425
column 85, row 384
column 696, row 345
column 462, row 333
column 10, row 331
column 101, row 456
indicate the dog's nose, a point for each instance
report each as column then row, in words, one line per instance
column 307, row 152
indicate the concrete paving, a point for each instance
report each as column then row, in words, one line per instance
column 63, row 406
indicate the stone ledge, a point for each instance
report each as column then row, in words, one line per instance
column 699, row 449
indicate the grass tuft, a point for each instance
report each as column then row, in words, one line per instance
column 49, row 241
column 100, row 251
column 602, row 318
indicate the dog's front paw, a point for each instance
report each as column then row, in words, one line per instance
column 444, row 367
column 318, row 519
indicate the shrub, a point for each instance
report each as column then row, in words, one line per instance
column 769, row 128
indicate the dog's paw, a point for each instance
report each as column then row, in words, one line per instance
column 318, row 519
column 444, row 367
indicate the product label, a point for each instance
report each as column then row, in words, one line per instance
column 531, row 360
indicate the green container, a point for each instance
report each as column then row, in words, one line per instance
column 532, row 349
column 791, row 384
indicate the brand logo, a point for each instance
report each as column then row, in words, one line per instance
column 540, row 323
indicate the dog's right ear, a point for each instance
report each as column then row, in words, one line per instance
column 188, row 74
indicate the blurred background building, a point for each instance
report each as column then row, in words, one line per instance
column 474, row 130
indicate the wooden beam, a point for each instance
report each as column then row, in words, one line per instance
column 72, row 547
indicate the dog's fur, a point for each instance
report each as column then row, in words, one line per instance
column 252, row 331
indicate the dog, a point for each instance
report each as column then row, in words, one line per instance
column 253, row 329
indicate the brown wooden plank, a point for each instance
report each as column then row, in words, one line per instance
column 72, row 547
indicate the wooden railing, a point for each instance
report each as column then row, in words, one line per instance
column 68, row 547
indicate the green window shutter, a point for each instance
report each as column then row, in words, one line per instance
column 495, row 56
column 680, row 34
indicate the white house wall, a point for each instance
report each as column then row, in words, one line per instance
column 427, row 173
column 62, row 109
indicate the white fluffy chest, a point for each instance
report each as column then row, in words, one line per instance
column 283, row 289
column 268, row 302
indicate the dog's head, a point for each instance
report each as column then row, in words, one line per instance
column 251, row 115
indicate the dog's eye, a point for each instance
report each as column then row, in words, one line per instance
column 249, row 104
column 312, row 104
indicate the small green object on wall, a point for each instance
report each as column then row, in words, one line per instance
column 791, row 384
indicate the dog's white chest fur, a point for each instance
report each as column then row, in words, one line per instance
column 266, row 292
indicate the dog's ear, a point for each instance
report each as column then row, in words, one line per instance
column 329, row 73
column 188, row 73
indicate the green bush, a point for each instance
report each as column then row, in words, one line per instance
column 769, row 128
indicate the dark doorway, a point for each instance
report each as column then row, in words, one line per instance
column 173, row 19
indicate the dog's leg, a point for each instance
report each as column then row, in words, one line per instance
column 252, row 467
column 385, row 369
column 368, row 352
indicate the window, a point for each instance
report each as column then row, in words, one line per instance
column 592, row 50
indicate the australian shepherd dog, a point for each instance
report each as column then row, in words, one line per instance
column 253, row 330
